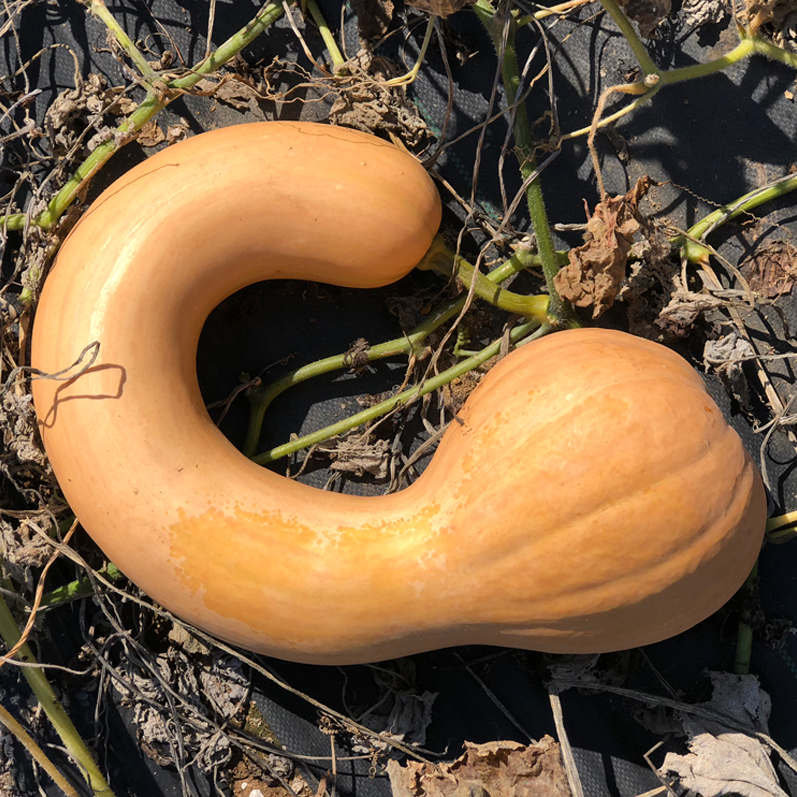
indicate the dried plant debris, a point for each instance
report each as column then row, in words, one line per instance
column 456, row 392
column 366, row 103
column 8, row 780
column 18, row 424
column 725, row 357
column 726, row 763
column 697, row 13
column 213, row 691
column 440, row 8
column 594, row 276
column 651, row 281
column 686, row 306
column 586, row 668
column 494, row 769
column 779, row 17
column 646, row 13
column 373, row 17
column 358, row 454
column 401, row 713
column 236, row 90
column 74, row 111
column 772, row 269
column 722, row 760
column 25, row 544
column 356, row 358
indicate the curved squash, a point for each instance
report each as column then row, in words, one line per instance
column 591, row 498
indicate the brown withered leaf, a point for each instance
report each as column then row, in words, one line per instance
column 494, row 769
column 766, row 12
column 234, row 90
column 440, row 8
column 151, row 134
column 774, row 269
column 358, row 454
column 373, row 17
column 596, row 270
column 646, row 13
column 697, row 13
column 371, row 106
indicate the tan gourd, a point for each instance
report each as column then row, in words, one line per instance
column 589, row 497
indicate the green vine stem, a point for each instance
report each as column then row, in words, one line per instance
column 523, row 332
column 744, row 634
column 100, row 10
column 524, row 148
column 36, row 753
column 627, row 29
column 44, row 693
column 443, row 261
column 260, row 398
column 656, row 79
column 405, row 80
column 157, row 98
column 692, row 247
column 336, row 56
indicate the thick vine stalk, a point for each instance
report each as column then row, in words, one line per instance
column 158, row 97
column 524, row 147
column 55, row 712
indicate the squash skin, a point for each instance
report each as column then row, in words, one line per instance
column 592, row 498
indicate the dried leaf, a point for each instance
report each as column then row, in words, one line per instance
column 370, row 106
column 722, row 761
column 774, row 269
column 766, row 12
column 73, row 110
column 494, row 769
column 359, row 455
column 178, row 132
column 741, row 698
column 646, row 13
column 401, row 711
column 238, row 94
column 704, row 12
column 215, row 690
column 725, row 357
column 730, row 763
column 356, row 358
column 596, row 270
column 373, row 17
column 233, row 90
column 151, row 135
column 440, row 8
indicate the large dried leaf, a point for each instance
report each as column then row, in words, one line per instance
column 494, row 769
column 774, row 269
column 729, row 763
column 596, row 270
column 723, row 761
